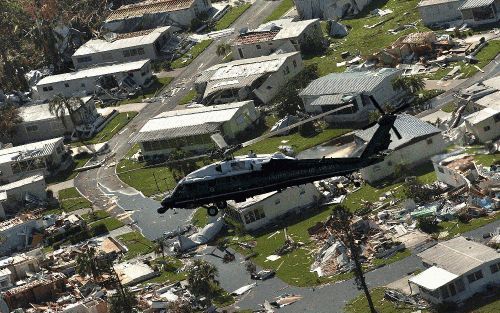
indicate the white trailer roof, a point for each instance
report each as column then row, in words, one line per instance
column 433, row 278
column 94, row 72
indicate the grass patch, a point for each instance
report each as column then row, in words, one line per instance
column 360, row 304
column 69, row 193
column 189, row 97
column 157, row 85
column 368, row 41
column 136, row 244
column 200, row 217
column 113, row 127
column 296, row 141
column 169, row 271
column 231, row 16
column 188, row 57
column 150, row 180
column 456, row 227
column 110, row 223
column 97, row 215
column 70, row 200
column 222, row 298
column 70, row 205
column 449, row 107
column 282, row 8
column 487, row 159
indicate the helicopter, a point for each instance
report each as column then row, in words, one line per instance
column 241, row 177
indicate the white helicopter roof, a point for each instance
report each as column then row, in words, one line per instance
column 239, row 165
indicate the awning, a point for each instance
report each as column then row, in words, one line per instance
column 433, row 278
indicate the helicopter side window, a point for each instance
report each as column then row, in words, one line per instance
column 218, row 168
column 237, row 166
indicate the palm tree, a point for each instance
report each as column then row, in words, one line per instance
column 223, row 49
column 411, row 84
column 61, row 106
column 202, row 278
column 9, row 118
column 87, row 263
column 342, row 221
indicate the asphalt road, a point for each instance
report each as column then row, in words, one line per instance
column 103, row 188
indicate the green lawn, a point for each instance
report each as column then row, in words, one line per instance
column 157, row 85
column 189, row 56
column 487, row 159
column 136, row 244
column 296, row 141
column 113, row 127
column 282, row 8
column 360, row 305
column 200, row 218
column 368, row 41
column 70, row 200
column 110, row 223
column 70, row 205
column 69, row 173
column 144, row 179
column 189, row 97
column 68, row 193
column 98, row 215
column 456, row 227
column 231, row 16
column 169, row 271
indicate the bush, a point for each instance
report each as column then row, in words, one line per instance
column 99, row 229
column 427, row 224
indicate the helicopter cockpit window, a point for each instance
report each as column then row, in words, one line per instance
column 237, row 166
column 218, row 168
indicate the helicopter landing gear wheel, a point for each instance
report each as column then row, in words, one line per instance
column 212, row 211
column 221, row 205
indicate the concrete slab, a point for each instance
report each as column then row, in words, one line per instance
column 136, row 107
column 60, row 186
column 443, row 84
column 401, row 285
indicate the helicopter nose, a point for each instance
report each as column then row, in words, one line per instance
column 166, row 204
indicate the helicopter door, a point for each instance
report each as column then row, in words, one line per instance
column 211, row 185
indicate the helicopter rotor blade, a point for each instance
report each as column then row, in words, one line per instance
column 288, row 128
column 379, row 108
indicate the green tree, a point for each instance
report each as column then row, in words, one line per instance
column 87, row 263
column 123, row 301
column 411, row 84
column 342, row 221
column 223, row 49
column 202, row 278
column 288, row 100
column 9, row 118
column 61, row 107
